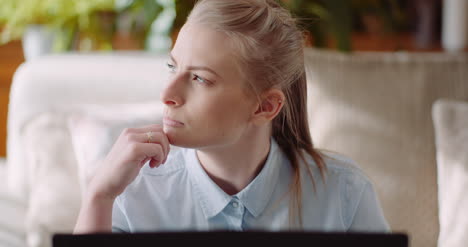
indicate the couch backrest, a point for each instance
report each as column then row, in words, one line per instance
column 376, row 109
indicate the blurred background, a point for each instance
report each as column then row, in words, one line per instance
column 375, row 70
column 31, row 28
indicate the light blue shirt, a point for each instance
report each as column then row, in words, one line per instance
column 179, row 195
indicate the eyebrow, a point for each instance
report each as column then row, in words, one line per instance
column 197, row 67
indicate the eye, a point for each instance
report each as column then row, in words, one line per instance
column 199, row 79
column 171, row 67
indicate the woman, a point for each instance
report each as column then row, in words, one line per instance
column 236, row 105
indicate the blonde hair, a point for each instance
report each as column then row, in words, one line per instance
column 270, row 51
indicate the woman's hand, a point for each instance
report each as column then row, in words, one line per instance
column 131, row 151
column 133, row 148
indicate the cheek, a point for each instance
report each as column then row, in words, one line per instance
column 214, row 119
column 224, row 112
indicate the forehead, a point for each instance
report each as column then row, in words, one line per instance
column 200, row 45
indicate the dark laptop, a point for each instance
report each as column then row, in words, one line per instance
column 241, row 239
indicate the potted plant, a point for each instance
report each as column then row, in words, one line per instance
column 54, row 24
column 57, row 25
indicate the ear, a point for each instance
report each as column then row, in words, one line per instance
column 272, row 102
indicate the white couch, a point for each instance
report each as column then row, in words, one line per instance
column 374, row 107
column 12, row 214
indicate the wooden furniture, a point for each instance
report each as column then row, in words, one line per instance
column 11, row 56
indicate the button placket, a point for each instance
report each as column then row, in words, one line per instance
column 237, row 210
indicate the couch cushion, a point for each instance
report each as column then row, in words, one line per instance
column 376, row 109
column 451, row 132
column 54, row 198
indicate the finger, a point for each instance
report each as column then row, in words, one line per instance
column 153, row 137
column 161, row 138
column 154, row 163
column 150, row 150
column 143, row 162
column 146, row 137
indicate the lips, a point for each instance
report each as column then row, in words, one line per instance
column 171, row 122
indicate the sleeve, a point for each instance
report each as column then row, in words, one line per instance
column 119, row 218
column 368, row 216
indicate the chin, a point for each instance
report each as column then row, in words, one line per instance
column 179, row 139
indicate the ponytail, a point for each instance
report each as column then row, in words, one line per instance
column 291, row 132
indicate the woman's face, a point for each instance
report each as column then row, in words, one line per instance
column 206, row 101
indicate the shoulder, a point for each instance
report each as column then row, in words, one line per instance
column 347, row 173
column 349, row 183
column 339, row 167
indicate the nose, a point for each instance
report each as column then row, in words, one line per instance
column 172, row 94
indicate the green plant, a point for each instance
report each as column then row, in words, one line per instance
column 139, row 16
column 66, row 16
column 81, row 24
column 324, row 18
column 337, row 19
column 98, row 20
column 390, row 12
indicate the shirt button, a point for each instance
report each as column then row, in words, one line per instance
column 235, row 204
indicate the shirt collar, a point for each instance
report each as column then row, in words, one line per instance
column 257, row 194
column 211, row 197
column 254, row 197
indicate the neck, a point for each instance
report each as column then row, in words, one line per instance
column 234, row 166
